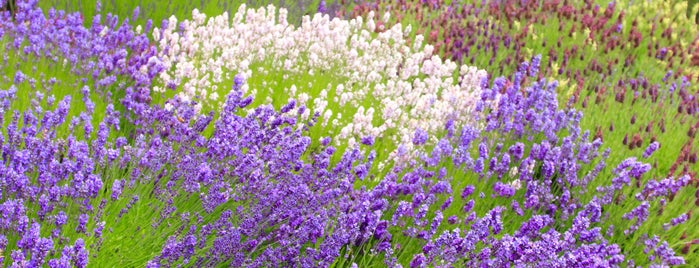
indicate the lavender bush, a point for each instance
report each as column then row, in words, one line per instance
column 99, row 169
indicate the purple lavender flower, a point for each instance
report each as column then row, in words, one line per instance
column 661, row 253
column 504, row 189
column 82, row 223
column 321, row 7
column 420, row 137
column 650, row 149
column 640, row 213
column 676, row 221
column 368, row 140
column 467, row 191
column 288, row 107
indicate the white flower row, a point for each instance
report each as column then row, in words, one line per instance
column 409, row 86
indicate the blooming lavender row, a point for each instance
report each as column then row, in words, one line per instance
column 308, row 214
column 524, row 185
column 49, row 183
column 104, row 52
column 54, row 155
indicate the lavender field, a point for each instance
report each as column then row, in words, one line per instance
column 431, row 133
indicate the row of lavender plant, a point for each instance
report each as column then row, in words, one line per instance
column 479, row 197
column 518, row 186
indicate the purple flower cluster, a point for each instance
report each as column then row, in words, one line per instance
column 53, row 163
column 105, row 52
column 282, row 203
column 42, row 173
column 660, row 253
column 292, row 212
